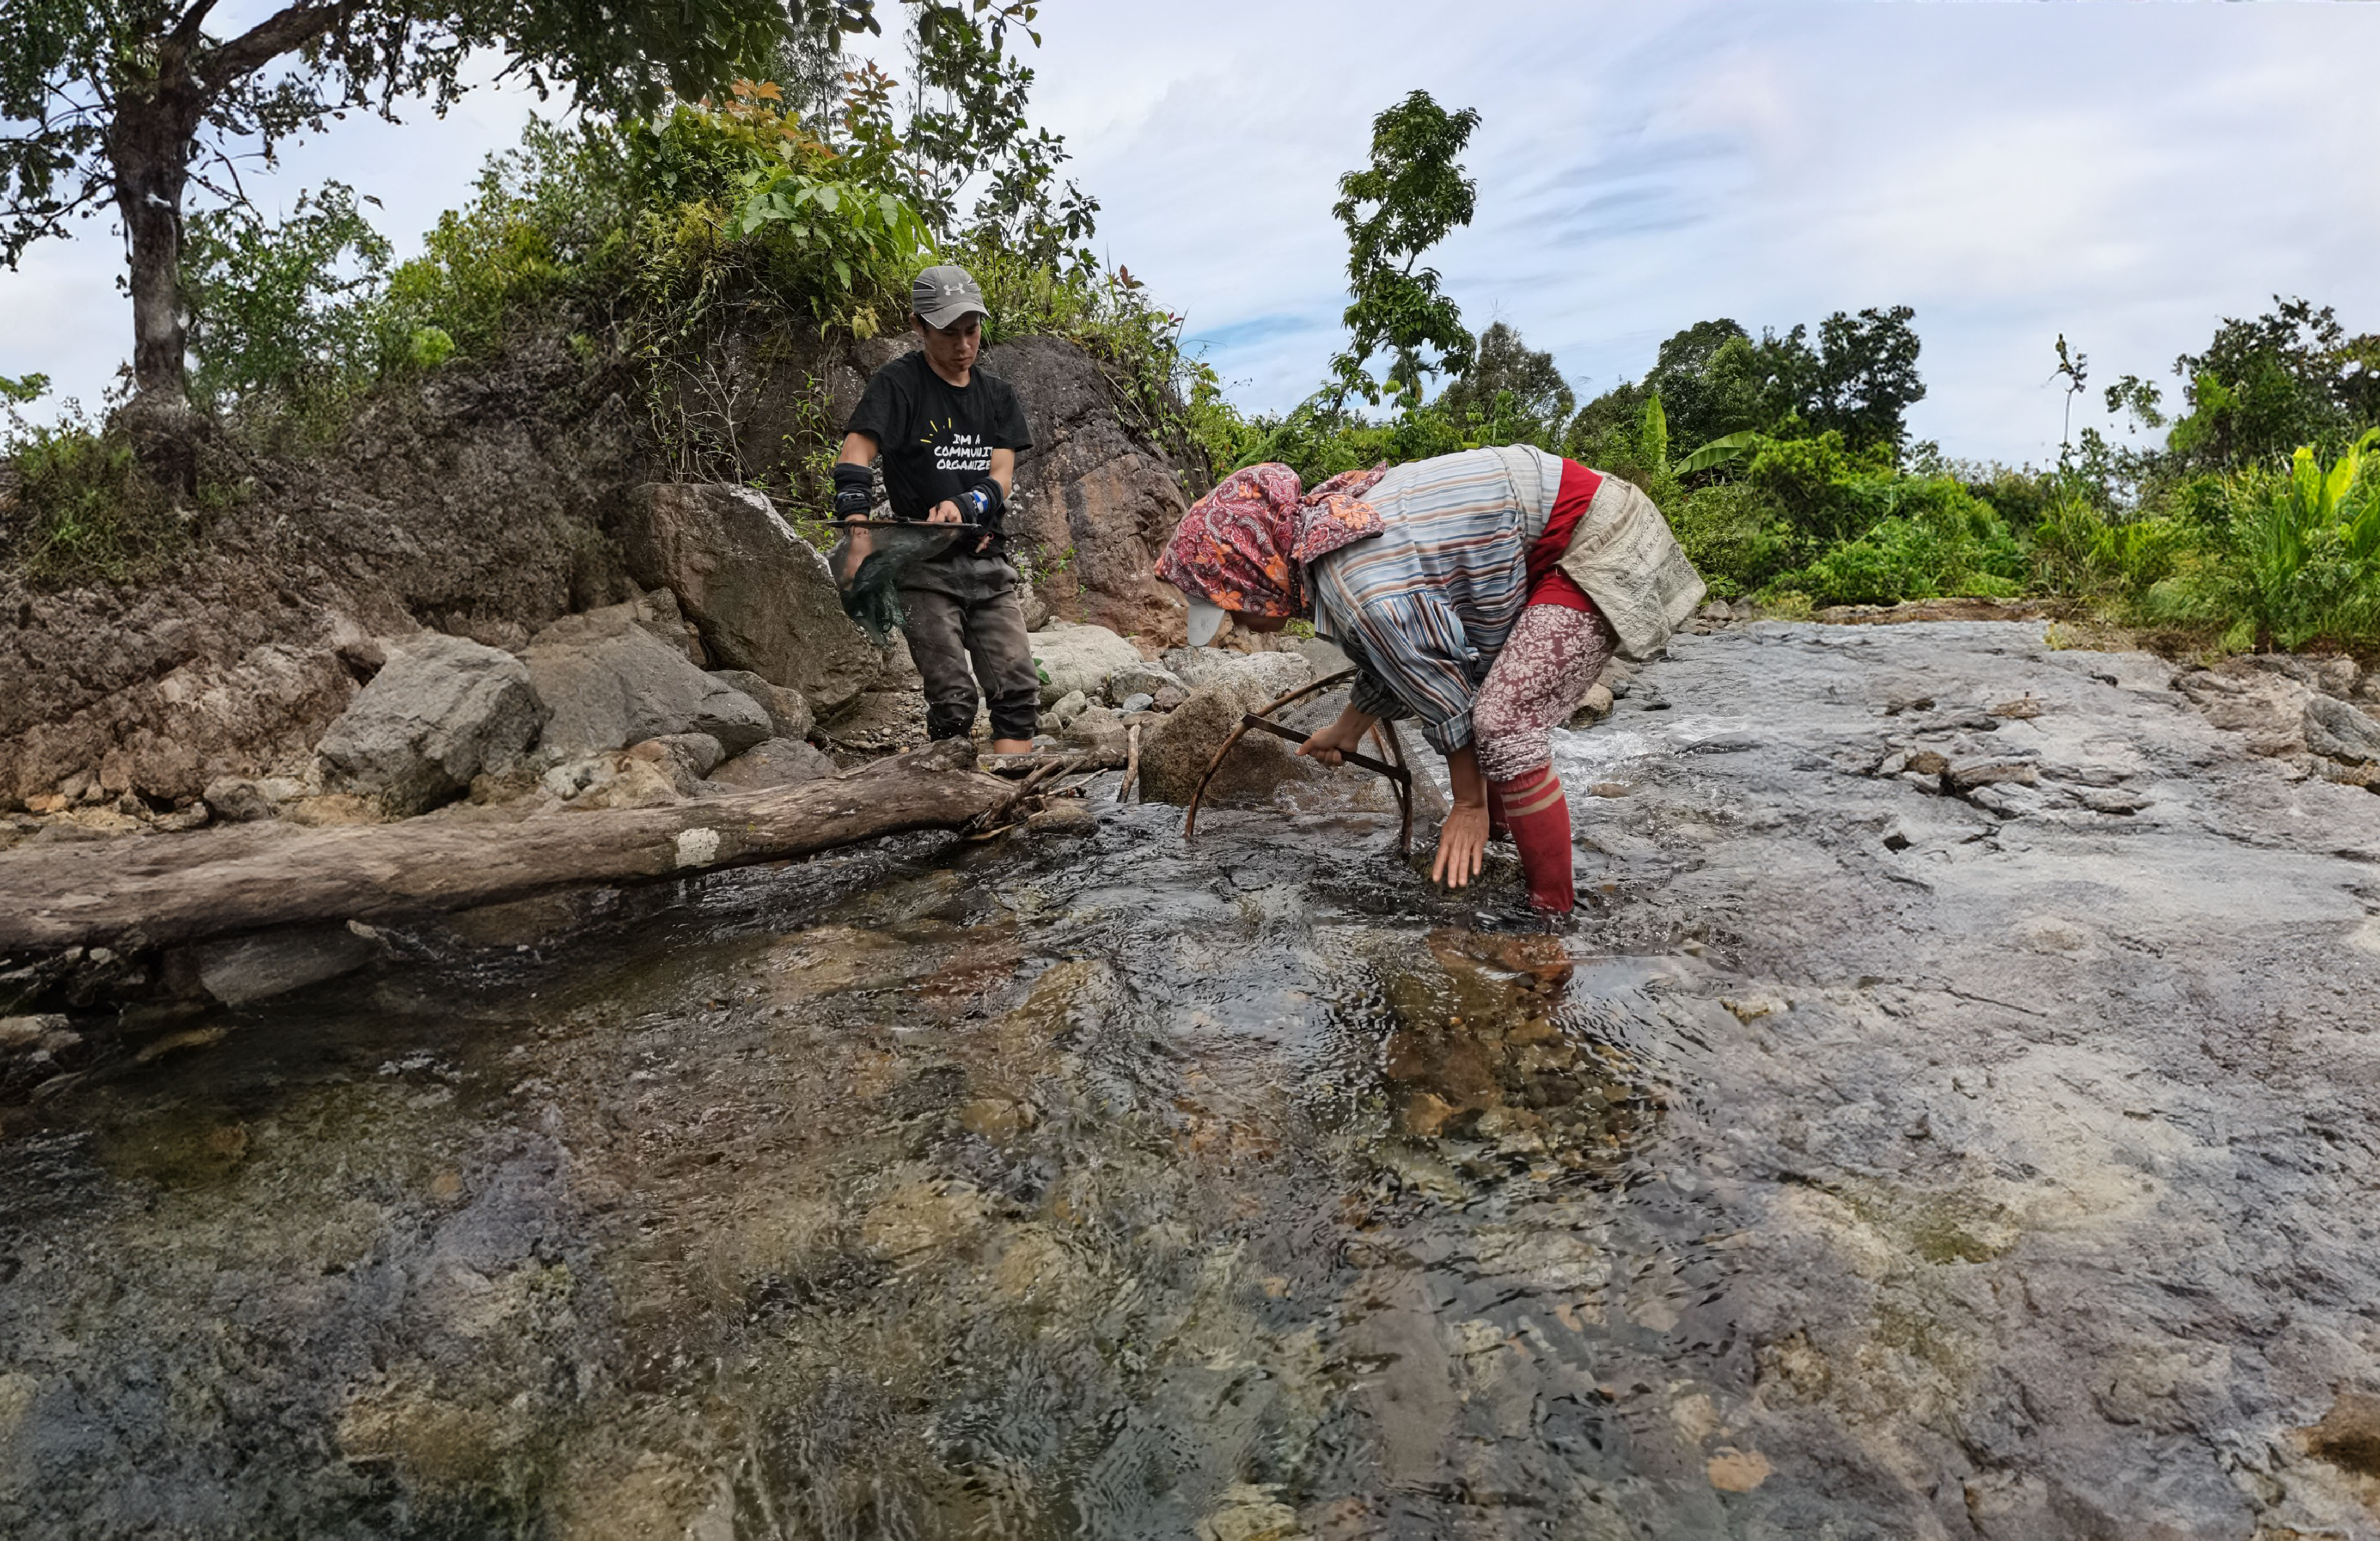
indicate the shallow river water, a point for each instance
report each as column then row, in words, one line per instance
column 1860, row 1162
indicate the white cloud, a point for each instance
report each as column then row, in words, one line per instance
column 2126, row 174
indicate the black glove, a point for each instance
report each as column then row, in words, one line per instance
column 854, row 490
column 986, row 503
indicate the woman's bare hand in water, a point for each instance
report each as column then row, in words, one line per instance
column 1462, row 845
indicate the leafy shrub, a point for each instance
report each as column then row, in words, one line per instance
column 1733, row 534
column 2299, row 560
column 283, row 309
column 1933, row 539
column 83, row 511
column 549, row 222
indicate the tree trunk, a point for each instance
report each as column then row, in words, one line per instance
column 166, row 889
column 149, row 145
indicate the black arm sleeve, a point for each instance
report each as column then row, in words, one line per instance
column 993, row 513
column 854, row 489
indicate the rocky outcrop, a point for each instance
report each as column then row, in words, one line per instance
column 168, row 736
column 443, row 711
column 609, row 683
column 469, row 503
column 486, row 501
column 1094, row 499
column 759, row 594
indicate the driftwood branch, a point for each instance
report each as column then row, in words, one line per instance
column 166, row 890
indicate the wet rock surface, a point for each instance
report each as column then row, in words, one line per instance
column 1883, row 1151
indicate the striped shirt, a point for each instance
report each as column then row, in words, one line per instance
column 1426, row 605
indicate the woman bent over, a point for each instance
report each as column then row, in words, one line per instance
column 1480, row 593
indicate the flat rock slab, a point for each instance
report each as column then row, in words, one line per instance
column 2044, row 1118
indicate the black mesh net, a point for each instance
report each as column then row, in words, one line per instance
column 870, row 562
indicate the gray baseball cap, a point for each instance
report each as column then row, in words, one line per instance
column 942, row 295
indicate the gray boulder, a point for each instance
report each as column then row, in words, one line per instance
column 1175, row 751
column 778, row 762
column 759, row 594
column 609, row 683
column 789, row 715
column 441, row 711
column 2337, row 731
column 1266, row 676
column 1077, row 658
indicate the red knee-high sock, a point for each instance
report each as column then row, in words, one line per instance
column 1539, row 816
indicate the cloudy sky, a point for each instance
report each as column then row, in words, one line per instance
column 2126, row 174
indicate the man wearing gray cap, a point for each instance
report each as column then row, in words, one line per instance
column 950, row 434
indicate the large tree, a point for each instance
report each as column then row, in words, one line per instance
column 125, row 104
column 1407, row 201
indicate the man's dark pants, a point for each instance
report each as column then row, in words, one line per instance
column 947, row 631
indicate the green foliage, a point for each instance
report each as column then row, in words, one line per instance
column 967, row 133
column 2265, row 387
column 25, row 390
column 1716, row 383
column 1731, row 533
column 1511, row 394
column 1407, row 201
column 1934, row 539
column 2300, row 560
column 119, row 105
column 84, row 511
column 550, row 224
column 283, row 308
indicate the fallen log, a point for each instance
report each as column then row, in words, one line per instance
column 168, row 890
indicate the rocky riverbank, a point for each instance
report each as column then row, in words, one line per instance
column 1950, row 1117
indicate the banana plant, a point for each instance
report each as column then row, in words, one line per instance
column 1719, row 450
column 2331, row 492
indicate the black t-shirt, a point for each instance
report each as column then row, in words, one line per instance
column 937, row 438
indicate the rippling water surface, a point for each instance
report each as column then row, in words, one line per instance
column 1105, row 1187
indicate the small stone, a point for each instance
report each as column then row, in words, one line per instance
column 1100, row 731
column 1139, row 701
column 1734, row 1471
column 1426, row 1115
column 778, row 762
column 1925, row 762
column 1593, row 707
column 1070, row 706
column 995, row 1117
column 2109, row 799
column 48, row 802
column 1138, row 680
column 333, row 808
column 1967, row 777
column 1169, row 699
column 239, row 801
column 2337, row 731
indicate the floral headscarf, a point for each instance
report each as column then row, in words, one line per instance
column 1243, row 545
